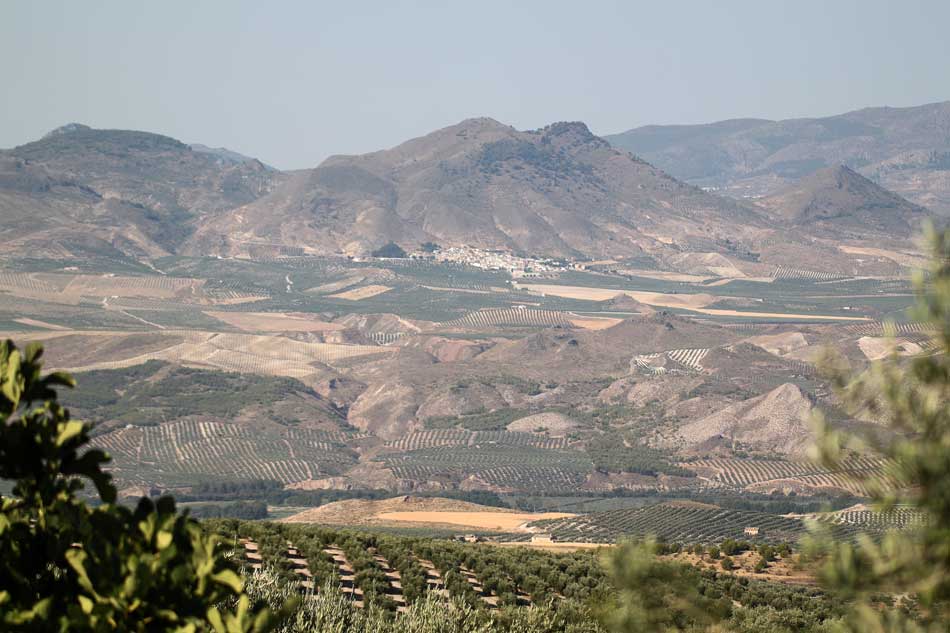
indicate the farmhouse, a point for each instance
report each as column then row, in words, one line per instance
column 543, row 538
column 751, row 531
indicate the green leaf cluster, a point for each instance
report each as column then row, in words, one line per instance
column 68, row 565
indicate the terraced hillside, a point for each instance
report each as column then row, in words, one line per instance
column 179, row 453
column 762, row 474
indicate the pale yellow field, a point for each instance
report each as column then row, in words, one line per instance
column 361, row 293
column 594, row 323
column 273, row 322
column 691, row 302
column 557, row 547
column 723, row 282
column 244, row 353
column 501, row 521
column 777, row 315
column 904, row 259
column 659, row 299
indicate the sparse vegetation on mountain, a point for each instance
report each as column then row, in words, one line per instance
column 390, row 250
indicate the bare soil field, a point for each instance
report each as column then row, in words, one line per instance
column 594, row 323
column 556, row 547
column 244, row 353
column 499, row 521
column 659, row 299
column 408, row 511
column 274, row 322
column 691, row 302
column 361, row 293
column 729, row 280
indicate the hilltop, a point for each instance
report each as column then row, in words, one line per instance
column 561, row 192
column 906, row 150
column 556, row 191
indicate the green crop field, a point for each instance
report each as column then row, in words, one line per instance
column 677, row 522
column 392, row 571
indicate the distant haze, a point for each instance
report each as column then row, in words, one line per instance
column 293, row 82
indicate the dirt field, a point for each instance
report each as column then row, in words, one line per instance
column 273, row 322
column 904, row 259
column 409, row 511
column 557, row 548
column 245, row 353
column 659, row 299
column 594, row 323
column 362, row 293
column 336, row 286
column 500, row 521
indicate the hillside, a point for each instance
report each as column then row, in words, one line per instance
column 558, row 190
column 366, row 512
column 906, row 150
column 84, row 193
column 88, row 196
column 839, row 199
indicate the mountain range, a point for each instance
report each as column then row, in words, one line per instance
column 556, row 191
column 905, row 150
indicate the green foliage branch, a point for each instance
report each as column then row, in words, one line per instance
column 66, row 564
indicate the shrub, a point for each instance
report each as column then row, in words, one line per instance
column 65, row 565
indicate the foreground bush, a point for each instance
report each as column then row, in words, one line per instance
column 66, row 565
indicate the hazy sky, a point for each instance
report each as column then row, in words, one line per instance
column 293, row 82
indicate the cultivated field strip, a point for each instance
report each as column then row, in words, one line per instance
column 245, row 353
column 512, row 468
column 31, row 282
column 785, row 272
column 431, row 439
column 532, row 478
column 899, row 517
column 221, row 450
column 690, row 358
column 387, row 338
column 460, row 437
column 511, row 317
column 686, row 359
column 739, row 473
column 880, row 328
